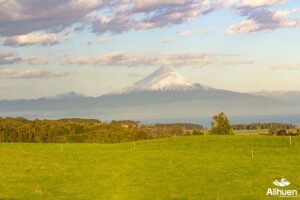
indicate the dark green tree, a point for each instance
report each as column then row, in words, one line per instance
column 221, row 125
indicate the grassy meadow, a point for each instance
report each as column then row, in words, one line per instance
column 178, row 168
column 252, row 132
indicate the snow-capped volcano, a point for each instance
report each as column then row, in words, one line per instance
column 164, row 79
column 163, row 95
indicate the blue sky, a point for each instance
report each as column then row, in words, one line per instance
column 94, row 46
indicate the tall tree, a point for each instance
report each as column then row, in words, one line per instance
column 221, row 125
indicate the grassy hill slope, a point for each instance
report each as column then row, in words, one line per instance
column 198, row 167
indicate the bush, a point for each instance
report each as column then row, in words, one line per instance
column 198, row 132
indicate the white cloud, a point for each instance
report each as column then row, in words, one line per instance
column 151, row 59
column 150, row 5
column 146, row 14
column 259, row 3
column 175, row 59
column 31, row 73
column 13, row 58
column 262, row 19
column 42, row 39
column 186, row 33
column 23, row 17
column 9, row 58
column 246, row 26
column 36, row 60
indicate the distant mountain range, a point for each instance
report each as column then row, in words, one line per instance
column 163, row 96
column 68, row 95
column 291, row 96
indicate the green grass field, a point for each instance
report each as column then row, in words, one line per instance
column 198, row 167
column 246, row 132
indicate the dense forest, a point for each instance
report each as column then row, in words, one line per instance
column 84, row 131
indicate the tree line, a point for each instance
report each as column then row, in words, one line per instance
column 84, row 131
column 94, row 131
column 256, row 126
column 221, row 126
